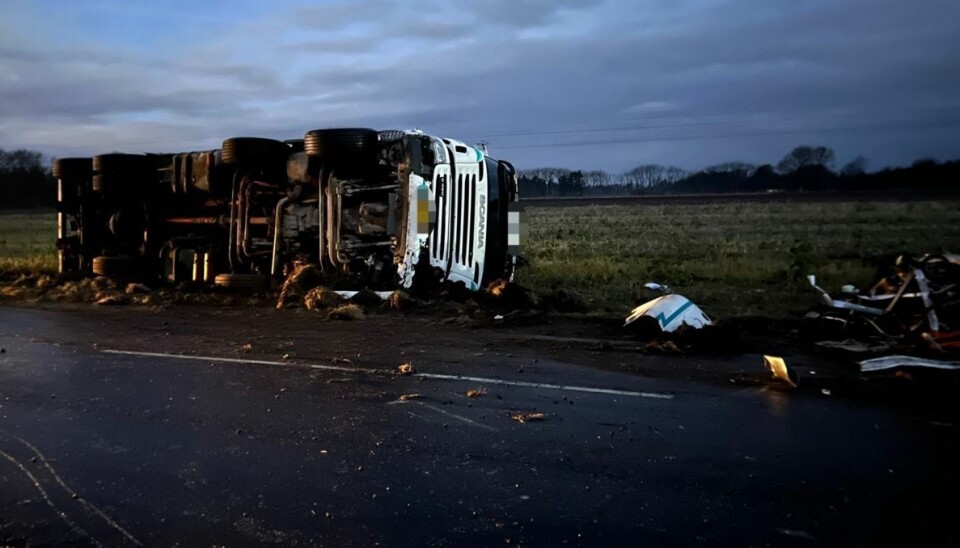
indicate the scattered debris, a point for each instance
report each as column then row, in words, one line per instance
column 911, row 304
column 853, row 345
column 893, row 362
column 671, row 311
column 246, row 347
column 779, row 368
column 408, row 397
column 406, row 368
column 476, row 392
column 526, row 416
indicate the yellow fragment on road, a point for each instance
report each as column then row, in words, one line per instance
column 529, row 417
column 779, row 368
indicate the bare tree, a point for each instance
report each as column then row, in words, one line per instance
column 805, row 156
column 857, row 166
column 597, row 178
column 648, row 175
column 731, row 167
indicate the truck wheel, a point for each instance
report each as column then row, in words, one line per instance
column 122, row 163
column 103, row 184
column 254, row 150
column 339, row 145
column 116, row 185
column 72, row 168
column 112, row 267
column 251, row 282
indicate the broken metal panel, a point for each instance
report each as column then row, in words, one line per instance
column 893, row 362
column 671, row 311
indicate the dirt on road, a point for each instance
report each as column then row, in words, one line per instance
column 528, row 342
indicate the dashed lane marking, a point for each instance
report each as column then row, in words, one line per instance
column 376, row 371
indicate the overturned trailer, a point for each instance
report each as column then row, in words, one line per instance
column 372, row 209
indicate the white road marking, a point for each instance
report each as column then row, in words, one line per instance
column 436, row 376
column 460, row 418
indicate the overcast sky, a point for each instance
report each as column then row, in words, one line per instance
column 591, row 84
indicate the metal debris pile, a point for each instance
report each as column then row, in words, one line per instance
column 914, row 306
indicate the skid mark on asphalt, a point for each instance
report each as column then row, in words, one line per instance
column 73, row 494
column 444, row 412
column 46, row 498
column 375, row 371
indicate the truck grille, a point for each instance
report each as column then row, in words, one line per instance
column 456, row 221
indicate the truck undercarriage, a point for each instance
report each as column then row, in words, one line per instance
column 370, row 209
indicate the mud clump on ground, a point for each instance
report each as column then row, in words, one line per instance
column 346, row 312
column 297, row 284
column 504, row 295
column 563, row 301
column 367, row 300
column 320, row 298
column 402, row 301
column 713, row 339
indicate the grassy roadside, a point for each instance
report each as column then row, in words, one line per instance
column 27, row 242
column 731, row 258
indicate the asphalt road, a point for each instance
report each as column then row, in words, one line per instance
column 115, row 449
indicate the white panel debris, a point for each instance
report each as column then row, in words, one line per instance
column 671, row 311
column 892, row 362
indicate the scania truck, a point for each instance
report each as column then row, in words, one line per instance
column 371, row 209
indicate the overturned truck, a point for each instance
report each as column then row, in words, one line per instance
column 376, row 210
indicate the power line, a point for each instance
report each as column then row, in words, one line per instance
column 726, row 135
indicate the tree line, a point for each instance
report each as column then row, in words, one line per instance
column 805, row 168
column 25, row 181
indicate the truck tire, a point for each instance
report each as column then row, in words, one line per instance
column 113, row 184
column 254, row 150
column 250, row 282
column 111, row 267
column 342, row 145
column 122, row 163
column 101, row 184
column 72, row 168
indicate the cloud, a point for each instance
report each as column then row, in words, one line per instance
column 578, row 83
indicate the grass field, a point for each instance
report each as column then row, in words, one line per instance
column 27, row 242
column 730, row 258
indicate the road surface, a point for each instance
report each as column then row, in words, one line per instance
column 109, row 435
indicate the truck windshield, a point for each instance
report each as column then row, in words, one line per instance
column 424, row 153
